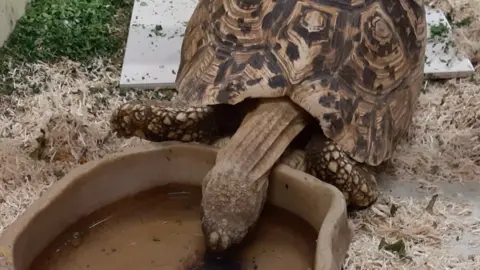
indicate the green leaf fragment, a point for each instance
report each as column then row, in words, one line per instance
column 397, row 247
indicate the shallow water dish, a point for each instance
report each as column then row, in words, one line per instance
column 98, row 184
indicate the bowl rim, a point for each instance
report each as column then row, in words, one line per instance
column 335, row 232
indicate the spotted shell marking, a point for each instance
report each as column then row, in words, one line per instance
column 355, row 65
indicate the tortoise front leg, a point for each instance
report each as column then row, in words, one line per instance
column 325, row 160
column 159, row 121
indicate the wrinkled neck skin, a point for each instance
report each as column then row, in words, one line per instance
column 235, row 189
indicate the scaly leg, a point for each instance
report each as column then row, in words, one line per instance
column 328, row 162
column 165, row 121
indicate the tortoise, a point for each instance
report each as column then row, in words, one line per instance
column 353, row 68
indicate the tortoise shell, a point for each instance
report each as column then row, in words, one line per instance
column 355, row 65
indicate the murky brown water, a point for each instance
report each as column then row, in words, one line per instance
column 160, row 229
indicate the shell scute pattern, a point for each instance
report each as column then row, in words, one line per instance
column 385, row 72
column 355, row 65
column 309, row 45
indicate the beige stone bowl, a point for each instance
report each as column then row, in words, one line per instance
column 100, row 183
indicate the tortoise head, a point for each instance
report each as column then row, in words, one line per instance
column 230, row 210
column 223, row 234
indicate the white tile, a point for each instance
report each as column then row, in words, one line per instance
column 442, row 57
column 155, row 37
column 156, row 32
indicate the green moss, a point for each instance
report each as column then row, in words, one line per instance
column 464, row 23
column 76, row 29
column 440, row 30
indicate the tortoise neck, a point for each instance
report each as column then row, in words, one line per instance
column 262, row 137
column 235, row 189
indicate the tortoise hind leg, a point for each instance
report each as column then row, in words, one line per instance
column 325, row 160
column 164, row 121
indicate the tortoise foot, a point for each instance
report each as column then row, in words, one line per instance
column 159, row 121
column 325, row 160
